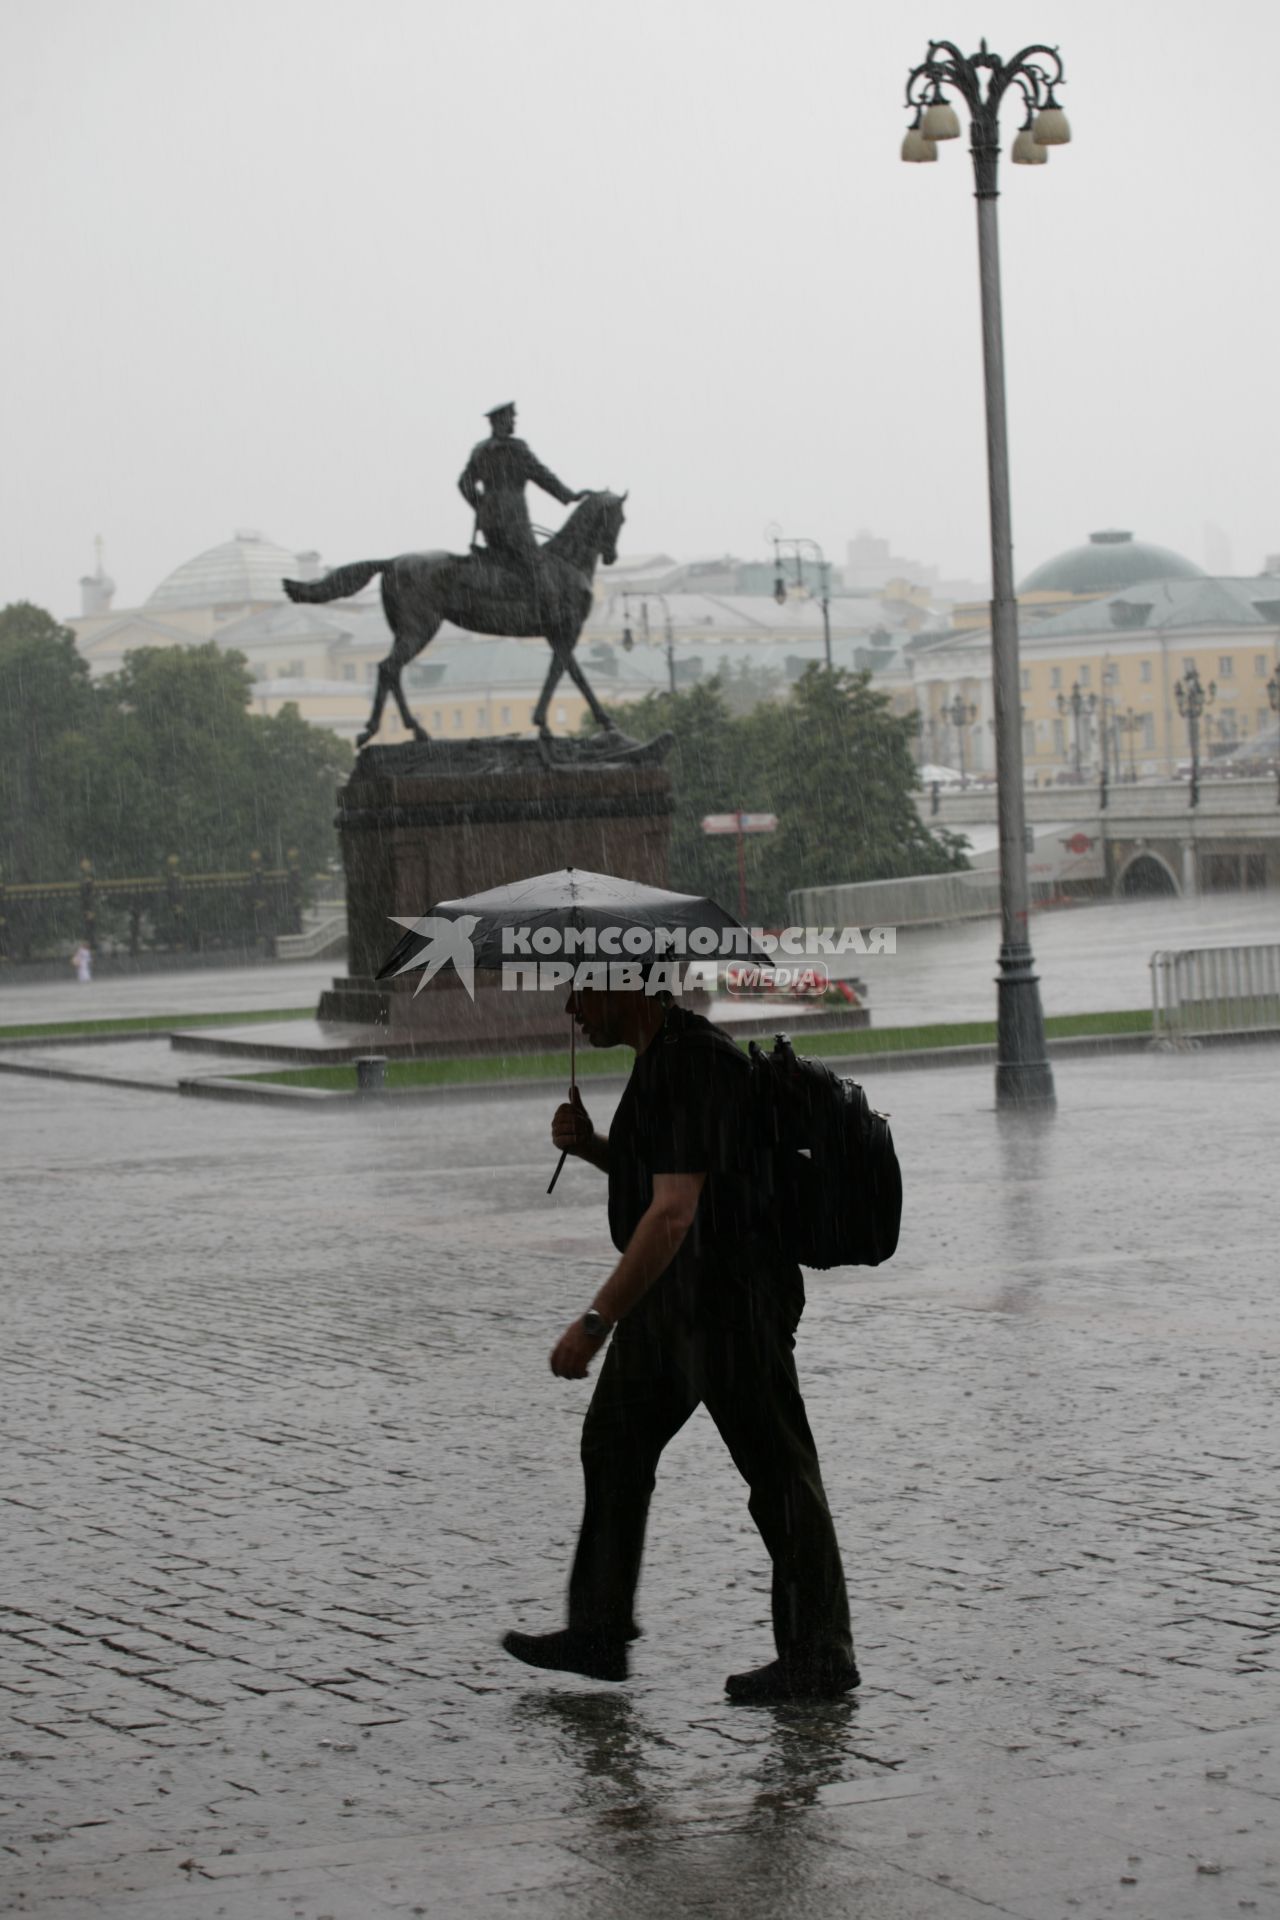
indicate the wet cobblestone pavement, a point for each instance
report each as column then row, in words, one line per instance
column 283, row 1458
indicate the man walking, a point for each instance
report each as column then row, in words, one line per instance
column 702, row 1307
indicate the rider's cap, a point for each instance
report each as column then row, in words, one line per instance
column 508, row 406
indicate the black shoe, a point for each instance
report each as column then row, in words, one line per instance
column 570, row 1652
column 785, row 1680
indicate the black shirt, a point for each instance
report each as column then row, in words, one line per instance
column 688, row 1108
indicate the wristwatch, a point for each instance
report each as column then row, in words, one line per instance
column 595, row 1326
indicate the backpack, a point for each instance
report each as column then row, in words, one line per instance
column 836, row 1180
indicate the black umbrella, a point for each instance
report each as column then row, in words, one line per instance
column 487, row 929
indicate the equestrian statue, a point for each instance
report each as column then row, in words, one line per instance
column 510, row 585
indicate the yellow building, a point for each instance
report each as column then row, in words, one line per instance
column 1100, row 665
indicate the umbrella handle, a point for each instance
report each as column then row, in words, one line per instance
column 573, row 1085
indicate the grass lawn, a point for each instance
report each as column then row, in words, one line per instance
column 408, row 1075
column 149, row 1023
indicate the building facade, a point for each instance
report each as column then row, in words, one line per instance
column 1101, row 656
column 324, row 658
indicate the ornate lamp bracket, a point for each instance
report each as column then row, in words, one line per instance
column 1036, row 71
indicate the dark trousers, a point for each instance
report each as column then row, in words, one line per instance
column 727, row 1344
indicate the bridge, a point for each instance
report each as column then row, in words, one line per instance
column 1148, row 839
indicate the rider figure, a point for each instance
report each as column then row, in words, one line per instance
column 493, row 482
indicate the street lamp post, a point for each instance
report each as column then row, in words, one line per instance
column 1023, row 1073
column 668, row 640
column 961, row 713
column 1078, row 704
column 797, row 550
column 1022, row 722
column 1273, row 695
column 1129, row 722
column 935, row 736
column 1192, row 699
column 1108, row 734
column 628, row 638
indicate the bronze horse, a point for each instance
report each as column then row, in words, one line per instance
column 422, row 590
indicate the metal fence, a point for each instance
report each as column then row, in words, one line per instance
column 1204, row 990
column 926, row 899
column 173, row 911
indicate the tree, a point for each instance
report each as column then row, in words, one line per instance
column 46, row 704
column 837, row 763
column 749, row 686
column 709, row 772
column 833, row 762
column 295, row 770
column 183, row 767
column 160, row 758
column 172, row 764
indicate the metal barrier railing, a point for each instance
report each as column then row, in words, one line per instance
column 1203, row 990
column 178, row 909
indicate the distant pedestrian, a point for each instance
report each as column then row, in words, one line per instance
column 82, row 961
column 702, row 1306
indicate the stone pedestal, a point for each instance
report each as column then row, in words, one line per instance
column 420, row 824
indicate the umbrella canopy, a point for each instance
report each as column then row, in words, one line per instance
column 569, row 899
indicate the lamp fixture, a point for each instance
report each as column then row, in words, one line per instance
column 1051, row 127
column 941, row 121
column 916, row 146
column 1027, row 150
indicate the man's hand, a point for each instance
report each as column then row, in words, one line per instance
column 573, row 1352
column 571, row 1128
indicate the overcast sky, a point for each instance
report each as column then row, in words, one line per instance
column 267, row 262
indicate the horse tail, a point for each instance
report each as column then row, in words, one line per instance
column 336, row 585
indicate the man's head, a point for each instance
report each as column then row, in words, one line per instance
column 617, row 1016
column 503, row 419
column 601, row 1014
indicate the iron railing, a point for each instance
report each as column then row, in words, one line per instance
column 173, row 910
column 1206, row 990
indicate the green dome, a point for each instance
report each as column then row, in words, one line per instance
column 1110, row 562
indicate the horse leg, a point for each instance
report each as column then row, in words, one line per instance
column 564, row 649
column 375, row 712
column 400, row 656
column 408, row 643
column 549, row 685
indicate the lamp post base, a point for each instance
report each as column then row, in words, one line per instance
column 1024, row 1077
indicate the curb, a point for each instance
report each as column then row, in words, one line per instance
column 91, row 1079
column 120, row 1034
column 216, row 1088
column 982, row 1054
column 264, row 1092
column 26, row 1040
